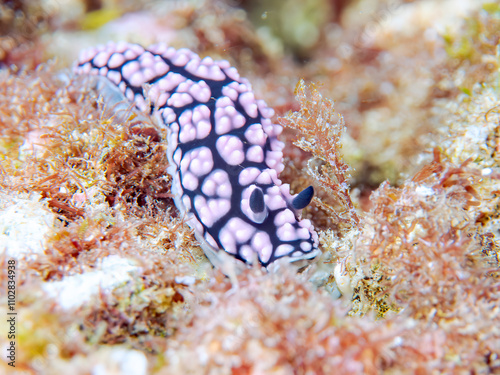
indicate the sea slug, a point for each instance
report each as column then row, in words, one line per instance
column 222, row 147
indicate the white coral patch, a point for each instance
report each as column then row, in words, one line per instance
column 120, row 362
column 76, row 290
column 25, row 224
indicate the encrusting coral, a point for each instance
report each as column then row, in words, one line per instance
column 111, row 280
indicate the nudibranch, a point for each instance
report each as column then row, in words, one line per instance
column 223, row 150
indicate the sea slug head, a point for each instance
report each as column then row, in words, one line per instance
column 273, row 226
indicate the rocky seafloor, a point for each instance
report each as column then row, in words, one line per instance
column 392, row 113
